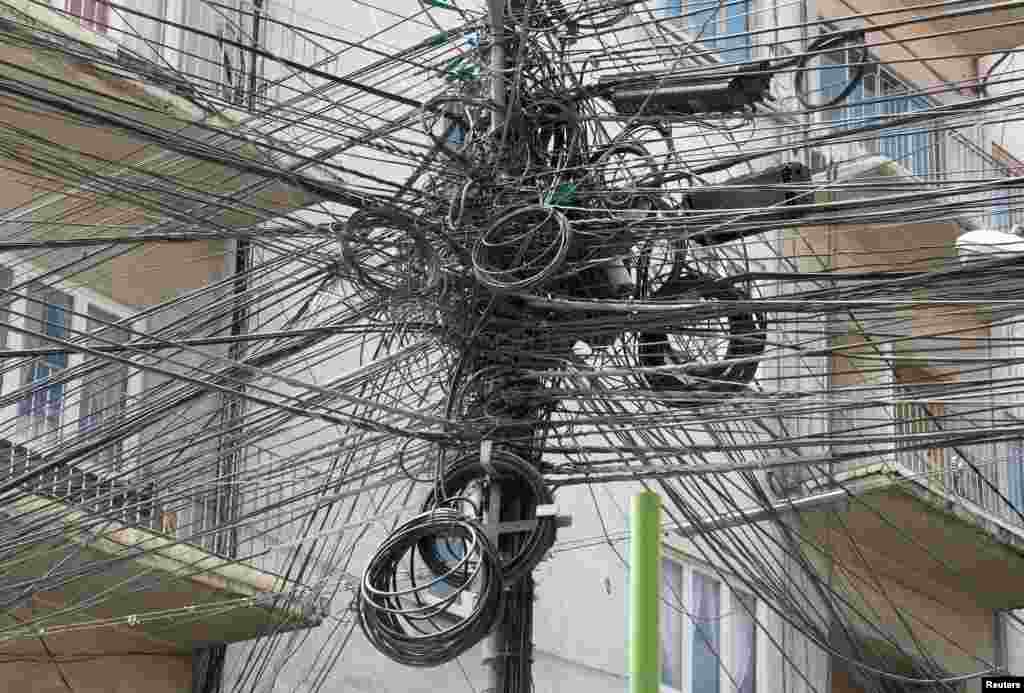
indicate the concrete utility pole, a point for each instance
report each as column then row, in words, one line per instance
column 508, row 651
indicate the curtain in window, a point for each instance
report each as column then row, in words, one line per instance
column 705, row 600
column 744, row 622
column 671, row 624
column 95, row 15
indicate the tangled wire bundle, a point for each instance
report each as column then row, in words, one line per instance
column 408, row 615
column 520, row 484
column 522, row 249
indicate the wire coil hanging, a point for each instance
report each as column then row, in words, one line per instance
column 408, row 615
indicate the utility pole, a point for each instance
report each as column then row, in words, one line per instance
column 257, row 15
column 508, row 651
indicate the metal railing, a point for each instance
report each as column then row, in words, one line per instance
column 966, row 161
column 87, row 491
column 974, row 474
column 155, row 40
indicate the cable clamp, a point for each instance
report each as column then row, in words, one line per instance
column 486, row 449
column 551, row 510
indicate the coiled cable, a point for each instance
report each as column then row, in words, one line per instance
column 409, row 616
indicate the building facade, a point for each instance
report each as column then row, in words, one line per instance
column 720, row 632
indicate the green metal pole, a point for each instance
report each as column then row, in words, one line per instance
column 644, row 585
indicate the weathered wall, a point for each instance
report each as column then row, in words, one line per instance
column 913, row 49
column 101, row 660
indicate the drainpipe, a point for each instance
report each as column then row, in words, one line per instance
column 644, row 584
column 999, row 645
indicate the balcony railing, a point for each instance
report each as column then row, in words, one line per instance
column 111, row 499
column 973, row 474
column 966, row 162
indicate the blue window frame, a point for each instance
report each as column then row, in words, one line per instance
column 1001, row 209
column 722, row 26
column 880, row 96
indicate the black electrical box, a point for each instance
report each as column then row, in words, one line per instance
column 715, row 90
column 767, row 195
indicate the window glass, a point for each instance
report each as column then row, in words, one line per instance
column 95, row 15
column 744, row 630
column 105, row 391
column 49, row 316
column 1016, row 475
column 705, row 605
column 721, row 26
column 6, row 281
column 671, row 624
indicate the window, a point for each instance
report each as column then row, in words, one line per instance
column 94, row 14
column 744, row 633
column 6, row 281
column 206, row 514
column 1015, row 476
column 706, row 605
column 1006, row 164
column 710, row 646
column 911, row 147
column 1001, row 209
column 105, row 392
column 723, row 27
column 41, row 412
column 201, row 58
column 671, row 624
column 881, row 96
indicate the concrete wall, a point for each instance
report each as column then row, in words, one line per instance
column 1004, row 80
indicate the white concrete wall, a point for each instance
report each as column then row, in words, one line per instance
column 1005, row 80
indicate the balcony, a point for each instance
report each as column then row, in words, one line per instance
column 94, row 73
column 924, row 47
column 176, row 596
column 990, row 30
